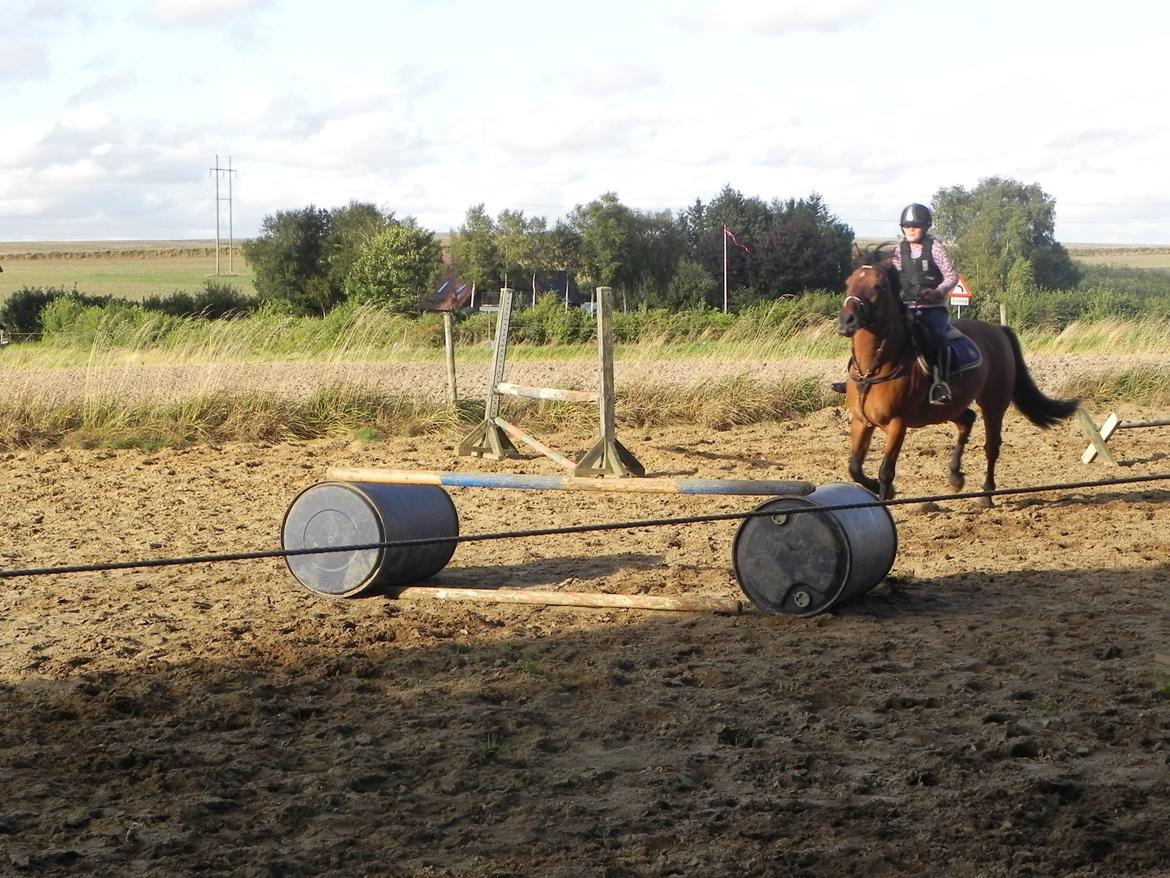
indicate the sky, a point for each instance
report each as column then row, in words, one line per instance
column 113, row 114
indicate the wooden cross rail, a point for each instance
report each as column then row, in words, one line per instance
column 493, row 437
column 1098, row 437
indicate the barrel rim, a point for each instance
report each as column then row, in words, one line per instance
column 825, row 516
column 364, row 584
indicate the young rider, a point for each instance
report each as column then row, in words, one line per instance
column 927, row 275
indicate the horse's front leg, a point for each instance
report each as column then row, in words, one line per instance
column 895, row 435
column 955, row 477
column 860, row 435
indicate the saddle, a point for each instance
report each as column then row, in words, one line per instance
column 960, row 354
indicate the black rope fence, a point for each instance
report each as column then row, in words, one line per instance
column 569, row 529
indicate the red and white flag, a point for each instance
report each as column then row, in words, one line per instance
column 734, row 240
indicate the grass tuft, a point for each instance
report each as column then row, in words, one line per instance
column 1141, row 385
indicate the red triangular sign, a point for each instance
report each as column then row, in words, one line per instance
column 961, row 294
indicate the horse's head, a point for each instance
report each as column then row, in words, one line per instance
column 871, row 298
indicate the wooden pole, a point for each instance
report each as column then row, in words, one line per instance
column 488, row 440
column 550, row 393
column 449, row 340
column 605, row 357
column 608, row 457
column 500, row 354
column 1133, row 425
column 526, row 482
column 680, row 603
column 538, row 446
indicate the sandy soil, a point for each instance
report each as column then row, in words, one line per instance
column 994, row 708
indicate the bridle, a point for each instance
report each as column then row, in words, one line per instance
column 865, row 309
column 868, row 315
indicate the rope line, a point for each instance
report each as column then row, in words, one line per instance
column 568, row 529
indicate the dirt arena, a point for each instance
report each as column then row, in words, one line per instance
column 997, row 707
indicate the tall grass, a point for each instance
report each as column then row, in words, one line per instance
column 76, row 334
column 1110, row 335
column 1140, row 386
column 356, row 411
column 127, row 376
column 332, row 410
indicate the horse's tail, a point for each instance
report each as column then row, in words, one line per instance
column 1041, row 410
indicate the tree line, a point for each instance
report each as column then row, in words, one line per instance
column 1001, row 234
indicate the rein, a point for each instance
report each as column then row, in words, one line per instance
column 868, row 378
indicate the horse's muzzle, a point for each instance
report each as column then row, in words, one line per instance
column 847, row 324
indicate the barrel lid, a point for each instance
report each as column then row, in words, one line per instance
column 791, row 563
column 332, row 514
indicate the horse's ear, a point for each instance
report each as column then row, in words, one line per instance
column 875, row 255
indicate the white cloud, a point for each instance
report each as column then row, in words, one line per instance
column 376, row 140
column 111, row 124
column 783, row 16
column 618, row 78
column 195, row 13
column 21, row 62
column 105, row 85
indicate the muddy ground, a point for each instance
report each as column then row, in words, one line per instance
column 996, row 707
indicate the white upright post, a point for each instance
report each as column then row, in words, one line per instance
column 725, row 270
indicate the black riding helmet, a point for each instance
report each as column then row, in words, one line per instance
column 916, row 216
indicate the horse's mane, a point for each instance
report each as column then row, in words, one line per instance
column 881, row 256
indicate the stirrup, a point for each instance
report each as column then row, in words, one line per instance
column 837, row 387
column 940, row 394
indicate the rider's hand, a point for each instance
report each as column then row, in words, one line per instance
column 931, row 297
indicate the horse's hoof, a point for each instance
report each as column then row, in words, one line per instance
column 957, row 482
column 986, row 502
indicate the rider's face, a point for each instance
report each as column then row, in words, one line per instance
column 914, row 236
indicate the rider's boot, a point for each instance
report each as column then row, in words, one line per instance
column 837, row 387
column 940, row 391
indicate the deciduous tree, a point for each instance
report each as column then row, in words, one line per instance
column 288, row 257
column 350, row 229
column 396, row 268
column 475, row 249
column 998, row 223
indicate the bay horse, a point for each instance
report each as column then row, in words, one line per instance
column 886, row 388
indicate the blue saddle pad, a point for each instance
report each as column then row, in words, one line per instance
column 965, row 354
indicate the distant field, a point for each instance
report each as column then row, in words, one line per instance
column 1131, row 257
column 1156, row 257
column 127, row 269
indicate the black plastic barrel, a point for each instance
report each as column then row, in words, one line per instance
column 805, row 562
column 354, row 514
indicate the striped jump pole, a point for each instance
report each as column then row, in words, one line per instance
column 525, row 482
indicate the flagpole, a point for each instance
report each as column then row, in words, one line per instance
column 725, row 269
